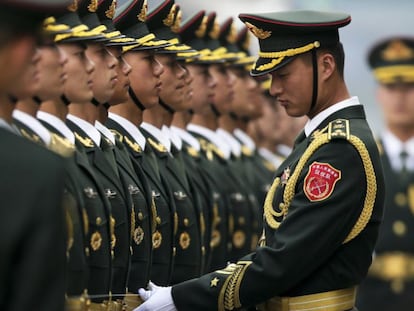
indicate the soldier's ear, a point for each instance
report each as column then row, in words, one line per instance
column 327, row 65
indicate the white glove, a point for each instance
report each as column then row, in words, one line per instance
column 157, row 298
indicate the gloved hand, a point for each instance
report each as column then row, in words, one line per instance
column 157, row 298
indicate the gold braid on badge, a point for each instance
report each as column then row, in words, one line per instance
column 338, row 129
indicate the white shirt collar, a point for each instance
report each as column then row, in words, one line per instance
column 284, row 150
column 173, row 137
column 88, row 128
column 313, row 123
column 158, row 134
column 270, row 156
column 34, row 124
column 105, row 131
column 245, row 139
column 58, row 124
column 231, row 141
column 211, row 136
column 393, row 147
column 186, row 136
column 130, row 128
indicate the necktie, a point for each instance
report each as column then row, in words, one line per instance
column 403, row 159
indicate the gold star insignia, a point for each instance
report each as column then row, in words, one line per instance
column 214, row 282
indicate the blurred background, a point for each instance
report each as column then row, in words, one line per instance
column 372, row 20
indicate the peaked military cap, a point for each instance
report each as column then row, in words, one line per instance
column 38, row 6
column 88, row 12
column 161, row 21
column 193, row 33
column 79, row 31
column 106, row 12
column 243, row 40
column 392, row 60
column 52, row 28
column 284, row 35
column 212, row 39
column 228, row 38
column 130, row 19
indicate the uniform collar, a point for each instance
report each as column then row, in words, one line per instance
column 88, row 128
column 158, row 134
column 105, row 131
column 211, row 136
column 9, row 127
column 130, row 128
column 231, row 141
column 245, row 139
column 58, row 124
column 313, row 123
column 175, row 139
column 33, row 124
column 186, row 136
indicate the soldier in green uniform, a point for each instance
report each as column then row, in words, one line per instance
column 124, row 119
column 32, row 241
column 319, row 232
column 391, row 275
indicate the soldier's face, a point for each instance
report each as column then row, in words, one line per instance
column 51, row 72
column 104, row 76
column 188, row 88
column 397, row 103
column 292, row 86
column 203, row 88
column 15, row 56
column 30, row 82
column 245, row 88
column 172, row 89
column 224, row 92
column 123, row 69
column 78, row 85
column 145, row 76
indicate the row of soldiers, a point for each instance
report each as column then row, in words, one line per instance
column 155, row 118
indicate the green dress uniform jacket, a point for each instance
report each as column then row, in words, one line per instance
column 141, row 219
column 32, row 243
column 145, row 165
column 97, row 225
column 187, row 261
column 391, row 275
column 107, row 173
column 322, row 215
column 201, row 188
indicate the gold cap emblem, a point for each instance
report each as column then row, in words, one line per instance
column 201, row 31
column 232, row 36
column 110, row 13
column 215, row 31
column 169, row 20
column 259, row 33
column 397, row 50
column 74, row 6
column 177, row 22
column 142, row 16
column 93, row 6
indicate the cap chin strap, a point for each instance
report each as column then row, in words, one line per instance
column 95, row 102
column 215, row 111
column 315, row 80
column 135, row 99
column 166, row 107
column 65, row 100
column 37, row 100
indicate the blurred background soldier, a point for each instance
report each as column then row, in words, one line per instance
column 31, row 180
column 391, row 276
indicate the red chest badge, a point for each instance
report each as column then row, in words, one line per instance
column 320, row 181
